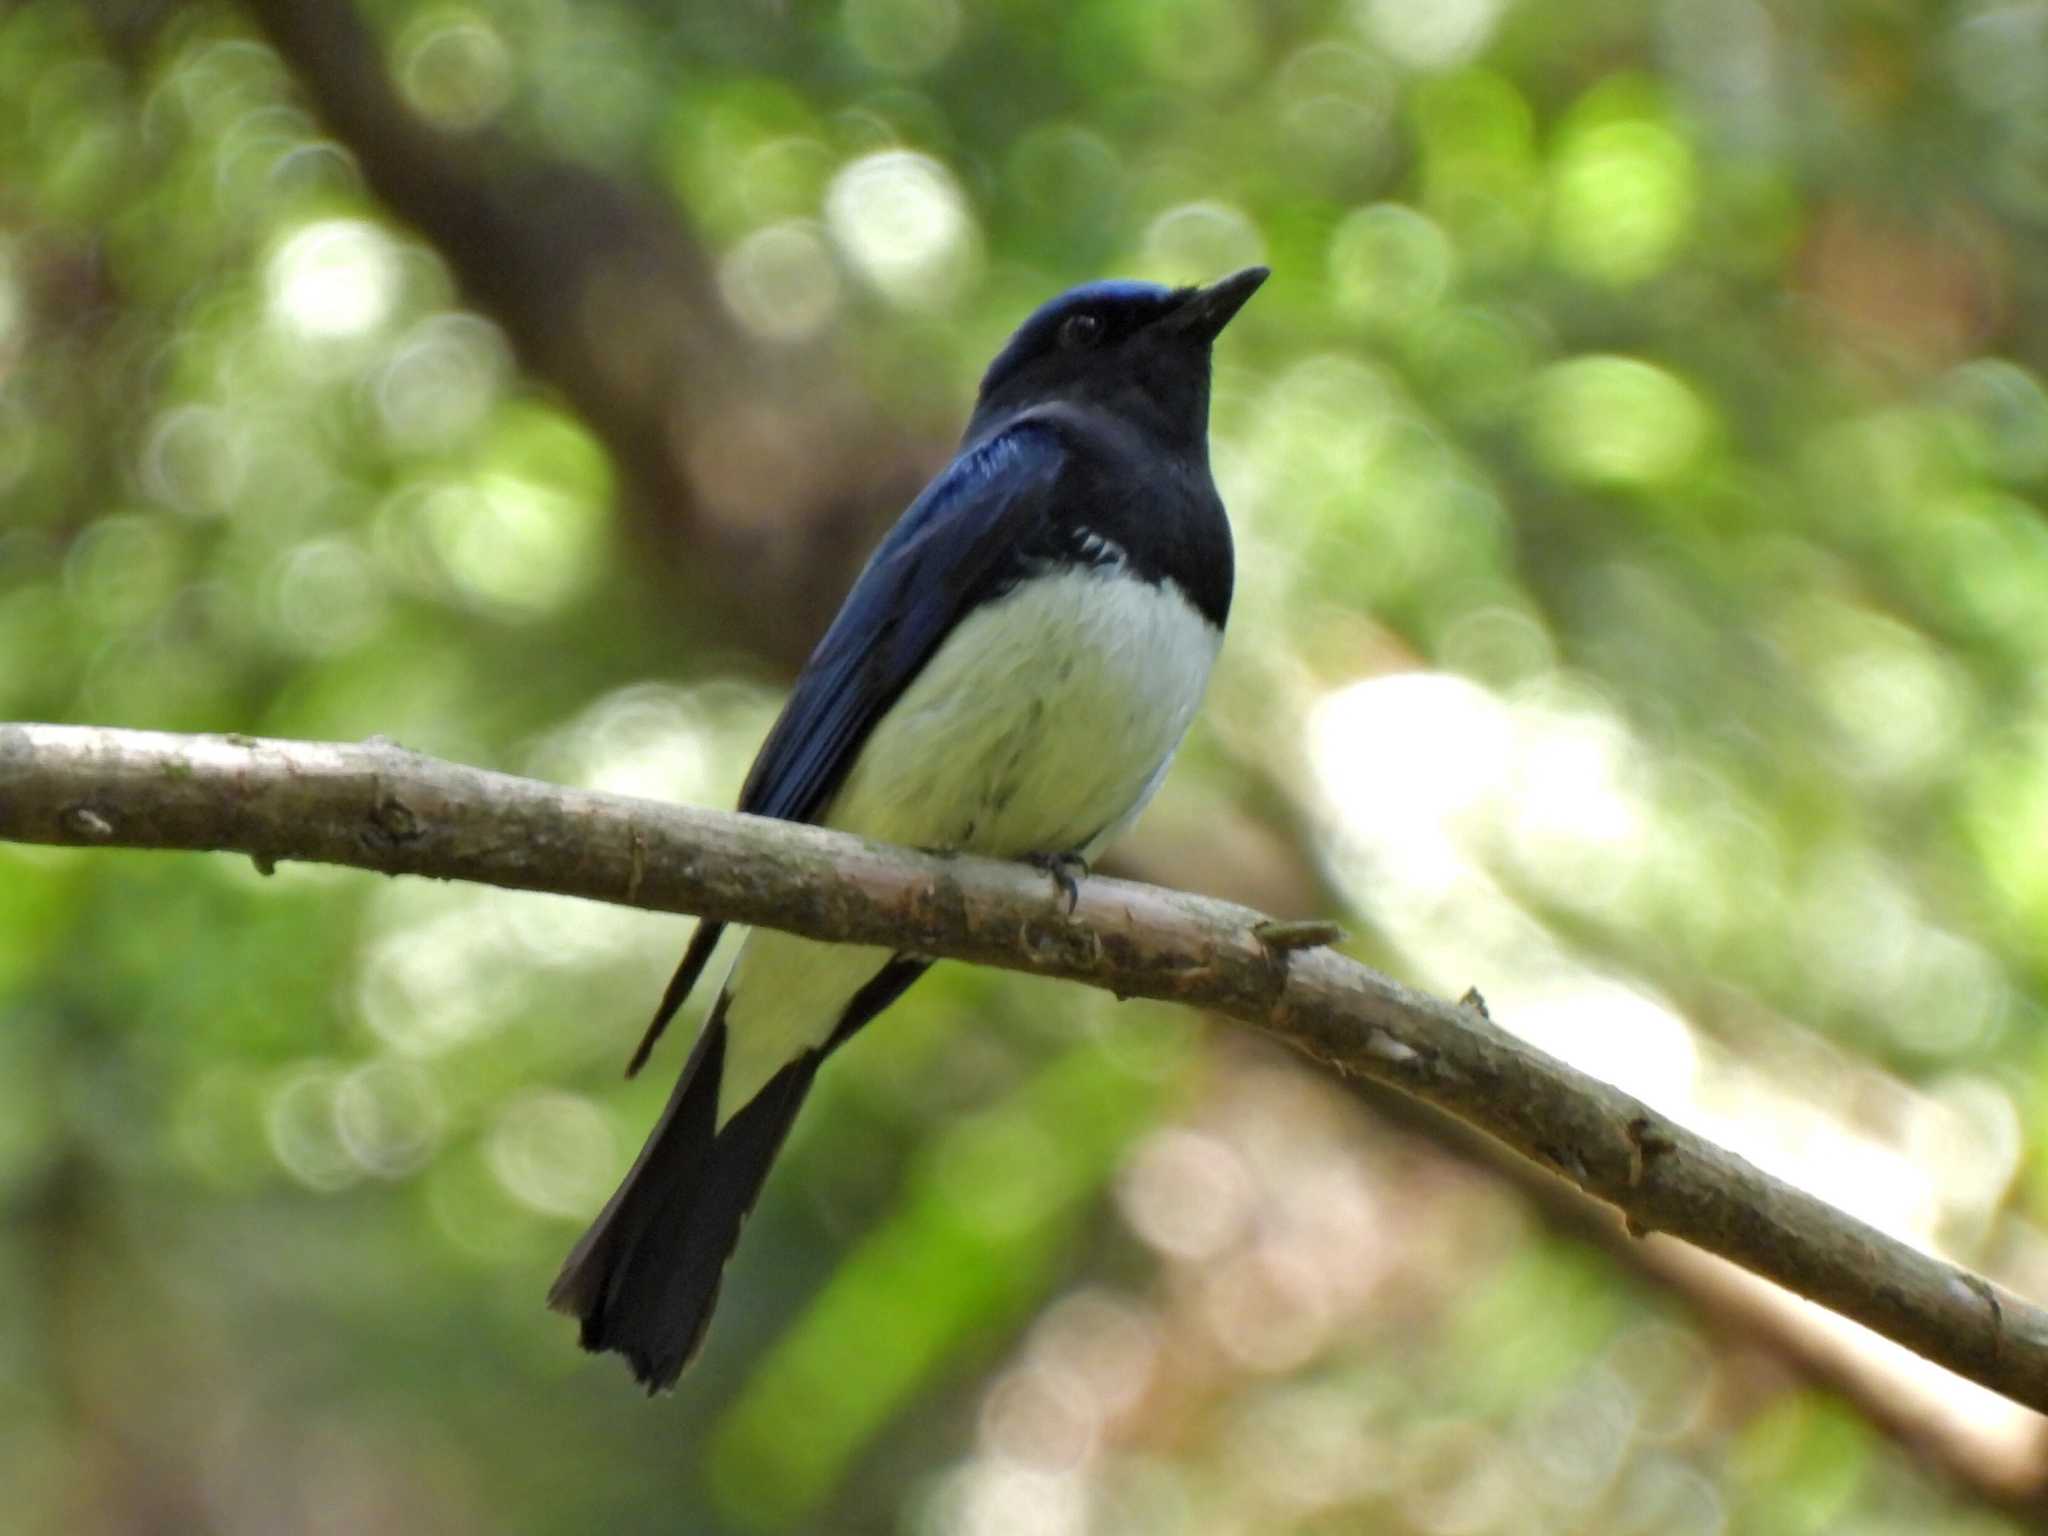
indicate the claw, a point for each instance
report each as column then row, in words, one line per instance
column 1067, row 870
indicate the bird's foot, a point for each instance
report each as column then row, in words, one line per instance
column 1067, row 870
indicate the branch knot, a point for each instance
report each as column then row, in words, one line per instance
column 392, row 824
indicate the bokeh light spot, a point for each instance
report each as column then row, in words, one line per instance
column 2004, row 413
column 124, row 568
column 195, row 459
column 1104, row 1343
column 1337, row 102
column 784, row 178
column 554, row 1152
column 1616, row 422
column 512, row 545
column 1890, row 692
column 13, row 303
column 1664, row 1496
column 388, row 1115
column 304, row 1134
column 425, row 986
column 1039, row 1418
column 902, row 37
column 1389, row 263
column 1069, row 174
column 993, row 1496
column 1268, row 1307
column 1429, row 34
column 781, row 282
column 1200, row 242
column 326, row 597
column 441, row 381
column 456, row 70
column 332, row 280
column 1185, row 1193
column 905, row 225
column 1198, row 43
column 1622, row 198
column 658, row 741
column 1455, row 1477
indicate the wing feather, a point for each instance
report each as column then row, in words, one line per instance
column 954, row 547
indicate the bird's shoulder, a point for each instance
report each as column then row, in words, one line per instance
column 950, row 550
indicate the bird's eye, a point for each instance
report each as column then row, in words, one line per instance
column 1080, row 331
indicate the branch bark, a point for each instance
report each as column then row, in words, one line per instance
column 379, row 807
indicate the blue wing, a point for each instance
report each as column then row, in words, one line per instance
column 957, row 545
column 944, row 553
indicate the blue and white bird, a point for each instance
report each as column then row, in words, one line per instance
column 1011, row 675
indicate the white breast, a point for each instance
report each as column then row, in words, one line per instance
column 1042, row 725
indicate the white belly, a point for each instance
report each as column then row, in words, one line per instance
column 1042, row 725
column 1040, row 722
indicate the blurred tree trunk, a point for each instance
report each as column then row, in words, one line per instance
column 753, row 472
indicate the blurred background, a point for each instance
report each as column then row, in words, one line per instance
column 1638, row 463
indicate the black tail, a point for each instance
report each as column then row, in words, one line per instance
column 645, row 1276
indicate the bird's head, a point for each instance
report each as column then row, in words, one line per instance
column 1136, row 349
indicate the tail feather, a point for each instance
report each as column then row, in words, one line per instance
column 695, row 958
column 645, row 1277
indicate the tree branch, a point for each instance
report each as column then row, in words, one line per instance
column 377, row 806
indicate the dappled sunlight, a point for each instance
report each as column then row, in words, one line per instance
column 555, row 1152
column 431, row 984
column 1039, row 1418
column 1562, row 799
column 333, row 280
column 1430, row 37
column 1638, row 470
column 902, row 37
column 304, row 1132
column 389, row 1115
column 659, row 741
column 1286, row 1375
column 13, row 298
column 780, row 282
column 1493, row 783
column 1623, row 190
column 901, row 220
column 196, row 459
column 122, row 569
column 327, row 596
column 994, row 1497
column 1615, row 1032
column 1194, row 242
column 1388, row 261
column 456, row 68
column 1410, row 756
column 441, row 381
column 1616, row 421
column 1185, row 1194
column 510, row 544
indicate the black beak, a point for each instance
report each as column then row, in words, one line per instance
column 1209, row 309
